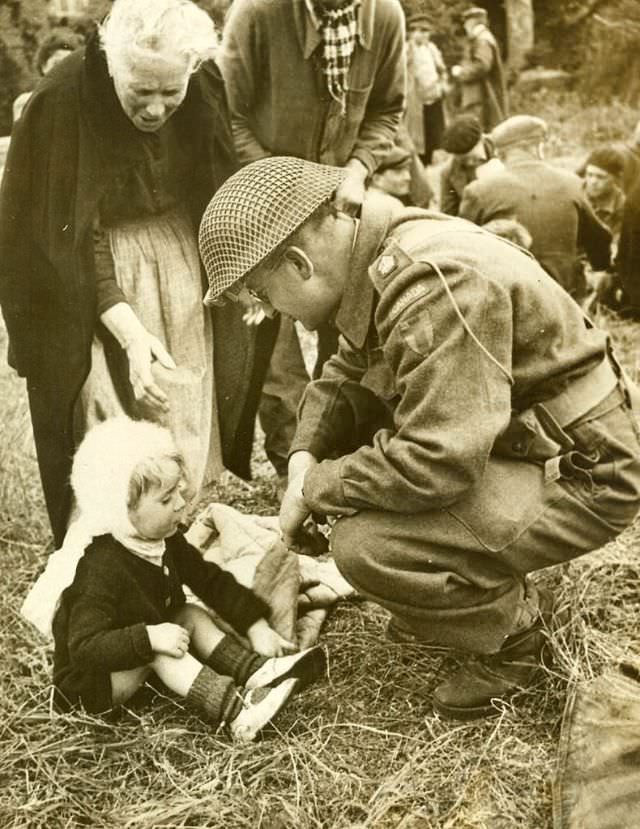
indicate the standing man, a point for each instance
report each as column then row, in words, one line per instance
column 548, row 201
column 480, row 76
column 322, row 80
column 466, row 432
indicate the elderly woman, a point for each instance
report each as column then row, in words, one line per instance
column 109, row 171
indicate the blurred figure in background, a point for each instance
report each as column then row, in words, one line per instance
column 547, row 200
column 480, row 76
column 401, row 174
column 510, row 230
column 55, row 47
column 470, row 151
column 426, row 87
column 603, row 173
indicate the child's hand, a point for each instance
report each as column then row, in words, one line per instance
column 169, row 639
column 268, row 642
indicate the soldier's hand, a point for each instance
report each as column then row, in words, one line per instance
column 293, row 511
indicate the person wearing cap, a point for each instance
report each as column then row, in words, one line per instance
column 603, row 172
column 402, row 175
column 547, row 200
column 480, row 75
column 470, row 150
column 322, row 80
column 466, row 432
column 426, row 87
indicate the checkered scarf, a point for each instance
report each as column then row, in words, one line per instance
column 339, row 29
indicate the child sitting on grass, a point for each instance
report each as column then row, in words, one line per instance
column 125, row 613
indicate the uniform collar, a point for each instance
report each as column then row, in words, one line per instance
column 307, row 25
column 355, row 311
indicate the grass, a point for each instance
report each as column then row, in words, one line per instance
column 361, row 750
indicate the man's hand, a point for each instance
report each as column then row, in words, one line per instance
column 456, row 71
column 293, row 511
column 267, row 641
column 350, row 194
column 169, row 639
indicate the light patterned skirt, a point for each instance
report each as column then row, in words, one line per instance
column 158, row 270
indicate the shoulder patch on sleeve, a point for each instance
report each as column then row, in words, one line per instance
column 392, row 260
column 412, row 293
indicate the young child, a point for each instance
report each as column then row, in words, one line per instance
column 125, row 613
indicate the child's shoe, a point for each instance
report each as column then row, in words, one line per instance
column 306, row 666
column 258, row 707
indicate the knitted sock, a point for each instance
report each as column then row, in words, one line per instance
column 231, row 658
column 214, row 697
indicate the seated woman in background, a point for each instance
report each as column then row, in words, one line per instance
column 100, row 277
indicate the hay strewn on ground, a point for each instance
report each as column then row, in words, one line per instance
column 362, row 749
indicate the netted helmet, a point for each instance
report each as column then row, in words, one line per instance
column 256, row 210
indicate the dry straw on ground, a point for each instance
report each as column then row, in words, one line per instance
column 361, row 750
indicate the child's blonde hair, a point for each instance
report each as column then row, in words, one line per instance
column 150, row 474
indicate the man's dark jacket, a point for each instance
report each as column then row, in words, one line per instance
column 71, row 142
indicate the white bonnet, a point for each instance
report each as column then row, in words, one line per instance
column 104, row 463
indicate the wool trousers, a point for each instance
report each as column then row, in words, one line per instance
column 455, row 576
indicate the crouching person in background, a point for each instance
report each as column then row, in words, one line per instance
column 125, row 615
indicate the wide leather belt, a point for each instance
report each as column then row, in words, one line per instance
column 538, row 433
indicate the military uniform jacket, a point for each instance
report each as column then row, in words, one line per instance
column 435, row 401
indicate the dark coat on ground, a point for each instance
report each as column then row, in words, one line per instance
column 71, row 141
column 101, row 625
column 550, row 203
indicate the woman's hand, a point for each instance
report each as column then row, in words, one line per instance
column 170, row 639
column 267, row 641
column 142, row 348
column 254, row 313
column 141, row 351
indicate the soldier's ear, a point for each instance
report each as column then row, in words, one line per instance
column 295, row 257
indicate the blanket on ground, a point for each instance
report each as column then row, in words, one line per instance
column 298, row 588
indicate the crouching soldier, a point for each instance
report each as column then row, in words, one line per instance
column 473, row 426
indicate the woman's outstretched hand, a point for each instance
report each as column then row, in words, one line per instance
column 142, row 348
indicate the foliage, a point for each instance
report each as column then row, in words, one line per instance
column 21, row 24
column 598, row 40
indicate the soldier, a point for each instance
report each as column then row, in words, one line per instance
column 464, row 434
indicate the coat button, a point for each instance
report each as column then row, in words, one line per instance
column 519, row 448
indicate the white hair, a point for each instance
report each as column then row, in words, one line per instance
column 171, row 28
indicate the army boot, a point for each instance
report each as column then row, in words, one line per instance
column 469, row 693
